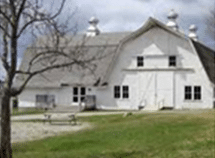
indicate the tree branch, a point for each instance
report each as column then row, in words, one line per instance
column 35, row 19
column 21, row 10
column 4, row 30
column 5, row 16
column 31, row 74
column 5, row 50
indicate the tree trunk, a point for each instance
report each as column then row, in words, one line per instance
column 6, row 150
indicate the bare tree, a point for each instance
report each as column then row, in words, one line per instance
column 50, row 50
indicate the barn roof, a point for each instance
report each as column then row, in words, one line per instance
column 111, row 42
column 106, row 44
column 207, row 57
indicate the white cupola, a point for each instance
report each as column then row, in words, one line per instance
column 192, row 34
column 172, row 16
column 93, row 29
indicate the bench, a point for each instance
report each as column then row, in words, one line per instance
column 71, row 118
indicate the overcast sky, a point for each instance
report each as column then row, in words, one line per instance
column 129, row 15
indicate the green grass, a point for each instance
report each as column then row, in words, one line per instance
column 155, row 135
column 27, row 111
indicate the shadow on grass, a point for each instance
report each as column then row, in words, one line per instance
column 64, row 124
column 119, row 154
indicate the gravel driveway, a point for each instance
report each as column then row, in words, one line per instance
column 26, row 131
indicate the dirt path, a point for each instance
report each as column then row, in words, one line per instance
column 26, row 131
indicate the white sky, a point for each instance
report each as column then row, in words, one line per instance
column 129, row 15
column 126, row 15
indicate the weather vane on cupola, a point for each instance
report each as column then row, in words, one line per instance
column 172, row 16
column 192, row 34
column 93, row 29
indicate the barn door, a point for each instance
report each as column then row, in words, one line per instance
column 79, row 94
column 164, row 89
column 156, row 90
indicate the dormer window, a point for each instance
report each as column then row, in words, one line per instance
column 140, row 61
column 172, row 61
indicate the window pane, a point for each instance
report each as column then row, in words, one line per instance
column 125, row 88
column 140, row 61
column 125, row 91
column 83, row 91
column 75, row 91
column 188, row 89
column 188, row 97
column 197, row 96
column 172, row 61
column 197, row 89
column 82, row 99
column 75, row 99
column 188, row 93
column 197, row 93
column 42, row 98
column 116, row 91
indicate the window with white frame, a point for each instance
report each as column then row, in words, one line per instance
column 140, row 61
column 116, row 91
column 83, row 93
column 172, row 61
column 197, row 93
column 124, row 90
column 75, row 94
column 193, row 93
column 41, row 98
column 188, row 93
column 79, row 94
column 44, row 100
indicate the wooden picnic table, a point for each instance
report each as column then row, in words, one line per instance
column 70, row 118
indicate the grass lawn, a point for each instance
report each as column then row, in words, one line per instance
column 153, row 135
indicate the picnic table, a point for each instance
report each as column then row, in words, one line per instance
column 70, row 118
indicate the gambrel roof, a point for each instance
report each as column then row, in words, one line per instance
column 111, row 42
column 207, row 57
column 106, row 44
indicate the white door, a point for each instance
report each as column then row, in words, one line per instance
column 165, row 89
column 79, row 94
column 156, row 90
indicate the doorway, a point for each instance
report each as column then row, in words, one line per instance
column 79, row 94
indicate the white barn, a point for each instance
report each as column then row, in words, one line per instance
column 154, row 67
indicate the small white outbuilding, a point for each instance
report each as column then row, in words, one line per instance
column 152, row 68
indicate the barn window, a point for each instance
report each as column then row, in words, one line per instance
column 75, row 94
column 83, row 93
column 41, row 98
column 125, row 92
column 45, row 101
column 79, row 94
column 188, row 93
column 116, row 91
column 140, row 61
column 197, row 93
column 172, row 61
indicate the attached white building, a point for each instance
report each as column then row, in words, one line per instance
column 152, row 68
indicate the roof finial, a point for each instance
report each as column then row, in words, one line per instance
column 192, row 34
column 93, row 29
column 172, row 16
